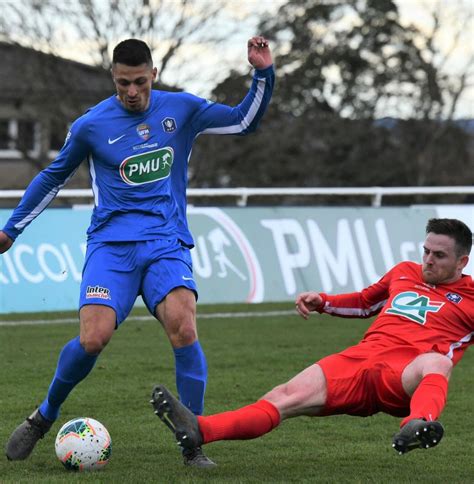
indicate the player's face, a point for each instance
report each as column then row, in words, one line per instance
column 441, row 264
column 133, row 84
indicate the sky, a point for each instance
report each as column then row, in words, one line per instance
column 211, row 67
column 454, row 13
column 411, row 12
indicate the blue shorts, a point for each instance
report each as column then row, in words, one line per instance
column 116, row 273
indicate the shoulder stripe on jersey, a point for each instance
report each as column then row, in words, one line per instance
column 42, row 205
column 245, row 123
column 458, row 344
column 356, row 312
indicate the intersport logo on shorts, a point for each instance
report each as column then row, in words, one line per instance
column 147, row 167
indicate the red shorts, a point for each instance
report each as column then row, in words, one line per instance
column 366, row 379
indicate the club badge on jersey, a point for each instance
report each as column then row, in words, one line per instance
column 144, row 131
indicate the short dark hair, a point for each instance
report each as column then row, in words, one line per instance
column 132, row 52
column 455, row 229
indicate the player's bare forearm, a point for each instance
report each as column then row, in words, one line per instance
column 5, row 242
column 258, row 52
column 308, row 302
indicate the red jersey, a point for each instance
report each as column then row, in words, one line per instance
column 411, row 312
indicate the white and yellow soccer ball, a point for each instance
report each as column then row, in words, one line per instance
column 83, row 444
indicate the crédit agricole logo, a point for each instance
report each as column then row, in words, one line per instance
column 147, row 167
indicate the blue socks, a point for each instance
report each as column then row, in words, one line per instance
column 191, row 376
column 74, row 364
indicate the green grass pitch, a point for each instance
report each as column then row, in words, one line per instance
column 246, row 357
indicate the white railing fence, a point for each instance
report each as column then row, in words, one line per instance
column 242, row 194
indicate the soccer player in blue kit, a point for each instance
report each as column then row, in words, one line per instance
column 137, row 143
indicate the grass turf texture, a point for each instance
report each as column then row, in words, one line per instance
column 246, row 357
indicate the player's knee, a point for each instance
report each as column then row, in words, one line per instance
column 437, row 363
column 94, row 343
column 279, row 394
column 185, row 334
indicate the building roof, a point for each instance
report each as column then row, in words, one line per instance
column 28, row 73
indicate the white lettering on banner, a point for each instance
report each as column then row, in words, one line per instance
column 61, row 274
column 17, row 257
column 11, row 270
column 346, row 260
column 201, row 261
column 76, row 274
column 298, row 258
column 47, row 261
column 384, row 242
column 3, row 279
column 365, row 251
column 406, row 248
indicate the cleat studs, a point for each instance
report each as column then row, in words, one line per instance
column 156, row 412
column 427, row 446
column 164, row 402
column 417, row 433
column 425, row 429
column 393, row 445
column 434, row 441
column 152, row 401
column 160, row 393
column 400, row 452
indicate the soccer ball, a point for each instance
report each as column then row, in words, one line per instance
column 83, row 444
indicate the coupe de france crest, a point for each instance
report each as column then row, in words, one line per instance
column 169, row 125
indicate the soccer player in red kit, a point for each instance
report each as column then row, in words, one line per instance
column 400, row 367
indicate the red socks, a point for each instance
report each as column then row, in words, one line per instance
column 245, row 423
column 429, row 398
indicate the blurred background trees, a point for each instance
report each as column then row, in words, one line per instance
column 340, row 67
column 361, row 98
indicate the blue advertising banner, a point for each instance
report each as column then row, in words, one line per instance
column 241, row 254
column 42, row 270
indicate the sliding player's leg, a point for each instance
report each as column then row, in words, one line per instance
column 304, row 394
column 426, row 380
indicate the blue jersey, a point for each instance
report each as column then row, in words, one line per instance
column 138, row 161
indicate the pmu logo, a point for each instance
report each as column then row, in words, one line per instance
column 147, row 167
column 143, row 130
column 414, row 306
column 223, row 259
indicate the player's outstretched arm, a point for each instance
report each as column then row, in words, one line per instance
column 308, row 302
column 258, row 52
column 5, row 242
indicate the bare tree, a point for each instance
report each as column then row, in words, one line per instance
column 91, row 28
column 87, row 30
column 342, row 65
column 447, row 46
